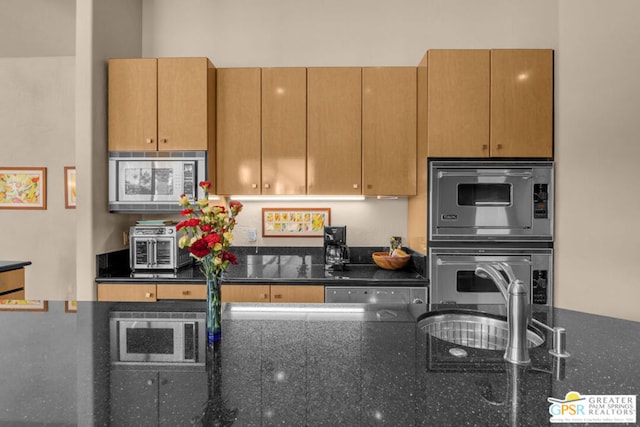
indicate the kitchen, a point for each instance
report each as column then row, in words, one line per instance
column 586, row 92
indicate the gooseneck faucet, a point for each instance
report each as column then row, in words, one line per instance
column 518, row 310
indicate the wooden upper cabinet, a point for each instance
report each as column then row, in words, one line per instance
column 458, row 103
column 490, row 103
column 239, row 131
column 334, row 131
column 389, row 130
column 161, row 104
column 522, row 103
column 133, row 105
column 284, row 130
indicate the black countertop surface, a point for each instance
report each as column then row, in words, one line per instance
column 274, row 265
column 302, row 368
column 12, row 265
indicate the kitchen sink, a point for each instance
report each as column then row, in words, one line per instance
column 473, row 329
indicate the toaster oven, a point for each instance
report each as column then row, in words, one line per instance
column 153, row 247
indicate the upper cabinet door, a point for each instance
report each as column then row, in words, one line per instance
column 458, row 103
column 133, row 105
column 183, row 100
column 389, row 130
column 238, row 140
column 334, row 131
column 522, row 103
column 284, row 130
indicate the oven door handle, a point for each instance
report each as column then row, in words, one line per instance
column 441, row 261
column 523, row 175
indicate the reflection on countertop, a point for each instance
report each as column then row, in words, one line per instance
column 302, row 368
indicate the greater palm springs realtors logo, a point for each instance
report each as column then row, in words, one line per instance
column 576, row 408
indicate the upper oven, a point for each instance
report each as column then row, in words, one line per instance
column 482, row 200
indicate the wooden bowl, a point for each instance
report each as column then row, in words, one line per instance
column 386, row 261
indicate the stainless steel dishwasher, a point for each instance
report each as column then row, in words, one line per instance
column 376, row 295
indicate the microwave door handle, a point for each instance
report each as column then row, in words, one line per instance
column 442, row 261
column 523, row 175
column 154, row 260
column 492, row 204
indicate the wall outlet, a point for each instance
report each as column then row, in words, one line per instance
column 125, row 238
column 252, row 235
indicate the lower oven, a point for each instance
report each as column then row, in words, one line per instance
column 452, row 276
column 173, row 338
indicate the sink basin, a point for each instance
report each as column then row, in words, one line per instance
column 473, row 329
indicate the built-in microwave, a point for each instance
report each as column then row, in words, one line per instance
column 482, row 200
column 142, row 337
column 146, row 182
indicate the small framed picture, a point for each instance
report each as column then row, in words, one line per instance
column 295, row 222
column 23, row 188
column 70, row 187
column 22, row 305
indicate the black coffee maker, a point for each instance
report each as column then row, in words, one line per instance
column 336, row 251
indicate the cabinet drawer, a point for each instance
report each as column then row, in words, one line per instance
column 10, row 280
column 291, row 293
column 124, row 292
column 245, row 293
column 198, row 292
column 14, row 295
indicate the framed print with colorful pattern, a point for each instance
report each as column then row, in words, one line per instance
column 23, row 305
column 295, row 222
column 23, row 188
column 69, row 187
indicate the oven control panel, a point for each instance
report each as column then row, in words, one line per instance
column 540, row 201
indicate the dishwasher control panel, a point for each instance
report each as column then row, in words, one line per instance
column 376, row 295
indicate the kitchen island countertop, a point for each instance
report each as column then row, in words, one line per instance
column 303, row 368
column 12, row 265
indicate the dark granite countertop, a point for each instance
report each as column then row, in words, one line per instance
column 12, row 265
column 302, row 368
column 275, row 265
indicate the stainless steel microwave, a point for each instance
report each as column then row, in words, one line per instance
column 141, row 337
column 147, row 182
column 480, row 200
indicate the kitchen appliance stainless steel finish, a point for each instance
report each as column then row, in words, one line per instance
column 157, row 337
column 155, row 247
column 336, row 251
column 491, row 200
column 143, row 182
column 452, row 275
column 376, row 295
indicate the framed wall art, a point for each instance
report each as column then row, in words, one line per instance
column 69, row 187
column 23, row 188
column 23, row 305
column 295, row 222
column 70, row 306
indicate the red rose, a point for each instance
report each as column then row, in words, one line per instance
column 199, row 248
column 205, row 185
column 236, row 207
column 186, row 212
column 228, row 256
column 212, row 239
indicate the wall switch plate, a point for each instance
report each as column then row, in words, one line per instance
column 252, row 235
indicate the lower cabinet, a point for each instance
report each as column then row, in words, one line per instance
column 156, row 398
column 272, row 293
column 150, row 292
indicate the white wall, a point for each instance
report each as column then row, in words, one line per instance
column 37, row 128
column 597, row 153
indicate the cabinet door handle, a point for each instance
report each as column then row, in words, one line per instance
column 254, row 185
column 499, row 146
column 186, row 292
column 356, row 186
column 163, row 140
column 263, row 296
column 485, row 146
column 267, row 186
column 276, row 296
column 149, row 140
column 148, row 295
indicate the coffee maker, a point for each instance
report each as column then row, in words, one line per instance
column 336, row 251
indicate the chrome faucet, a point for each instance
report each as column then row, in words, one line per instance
column 519, row 314
column 518, row 310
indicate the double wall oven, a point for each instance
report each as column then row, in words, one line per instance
column 484, row 211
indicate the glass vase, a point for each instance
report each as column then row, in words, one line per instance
column 214, row 316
